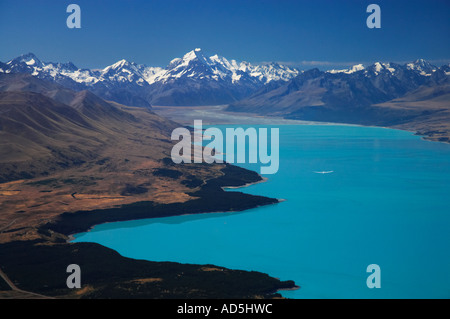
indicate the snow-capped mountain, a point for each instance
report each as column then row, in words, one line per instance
column 215, row 80
column 195, row 64
column 353, row 69
column 124, row 71
column 198, row 79
column 345, row 95
column 422, row 66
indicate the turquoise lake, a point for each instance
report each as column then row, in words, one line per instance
column 386, row 203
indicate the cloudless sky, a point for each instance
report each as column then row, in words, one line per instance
column 153, row 32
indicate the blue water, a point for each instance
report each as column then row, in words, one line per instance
column 386, row 203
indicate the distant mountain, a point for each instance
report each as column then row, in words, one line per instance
column 194, row 79
column 119, row 82
column 343, row 95
column 199, row 80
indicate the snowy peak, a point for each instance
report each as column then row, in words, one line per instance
column 421, row 63
column 196, row 54
column 118, row 65
column 231, row 65
column 149, row 74
column 195, row 64
column 68, row 66
column 193, row 56
column 422, row 66
column 124, row 71
column 374, row 69
column 271, row 72
column 122, row 66
column 29, row 59
column 381, row 68
column 419, row 67
column 353, row 69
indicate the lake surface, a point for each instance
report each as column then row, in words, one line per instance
column 386, row 203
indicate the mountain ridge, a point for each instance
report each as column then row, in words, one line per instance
column 195, row 79
column 140, row 85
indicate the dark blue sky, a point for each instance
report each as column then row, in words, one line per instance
column 306, row 33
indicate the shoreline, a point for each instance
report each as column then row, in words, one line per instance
column 243, row 118
column 289, row 289
column 71, row 237
column 263, row 180
column 212, row 198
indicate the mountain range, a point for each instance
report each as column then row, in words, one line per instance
column 194, row 79
column 357, row 95
column 343, row 95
